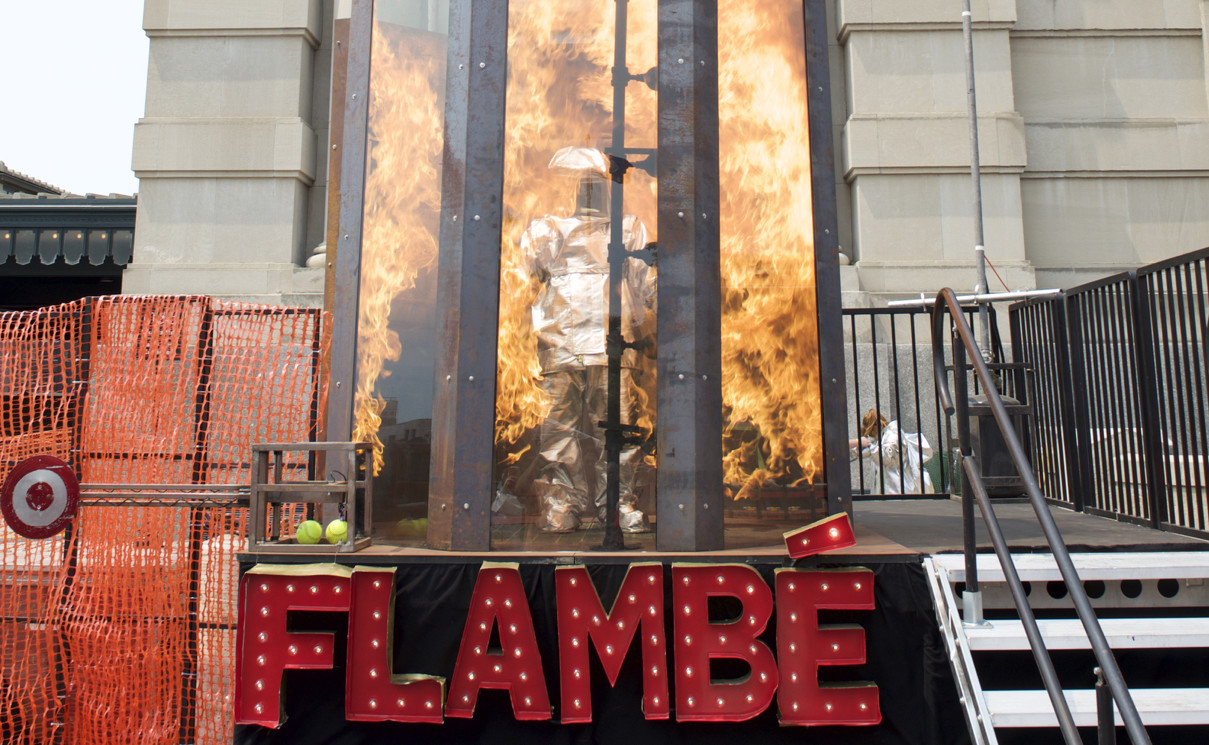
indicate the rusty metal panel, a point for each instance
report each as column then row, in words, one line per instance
column 459, row 508
column 827, row 269
column 343, row 355
column 690, row 508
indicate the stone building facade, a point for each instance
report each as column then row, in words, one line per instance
column 1093, row 121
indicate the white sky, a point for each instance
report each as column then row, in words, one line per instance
column 72, row 87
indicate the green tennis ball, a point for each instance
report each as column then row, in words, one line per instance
column 337, row 531
column 308, row 531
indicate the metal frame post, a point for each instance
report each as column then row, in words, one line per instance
column 468, row 277
column 832, row 387
column 347, row 269
column 689, row 323
column 1144, row 377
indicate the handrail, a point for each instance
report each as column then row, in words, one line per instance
column 946, row 302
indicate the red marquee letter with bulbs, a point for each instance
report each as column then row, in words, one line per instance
column 265, row 649
column 582, row 622
column 372, row 693
column 698, row 640
column 499, row 598
column 803, row 645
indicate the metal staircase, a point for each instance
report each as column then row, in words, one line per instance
column 997, row 578
column 1164, row 583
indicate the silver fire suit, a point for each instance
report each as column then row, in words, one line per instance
column 570, row 319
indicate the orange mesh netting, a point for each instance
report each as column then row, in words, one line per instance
column 122, row 629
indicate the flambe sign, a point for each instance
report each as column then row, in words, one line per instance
column 499, row 612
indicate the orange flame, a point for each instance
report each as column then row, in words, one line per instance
column 559, row 93
column 770, row 358
column 402, row 202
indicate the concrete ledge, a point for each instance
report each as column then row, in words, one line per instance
column 1108, row 14
column 285, row 147
column 261, row 283
column 235, row 75
column 931, row 143
column 866, row 13
column 1112, row 221
column 224, row 15
column 1176, row 148
column 1085, row 78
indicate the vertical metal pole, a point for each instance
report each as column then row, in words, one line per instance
column 1145, row 376
column 347, row 291
column 1069, row 400
column 1106, row 733
column 468, row 277
column 971, row 597
column 826, row 265
column 196, row 517
column 617, row 434
column 689, row 323
column 984, row 323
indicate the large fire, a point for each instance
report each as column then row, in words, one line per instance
column 560, row 93
column 770, row 357
column 402, row 202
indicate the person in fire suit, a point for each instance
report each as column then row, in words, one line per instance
column 569, row 255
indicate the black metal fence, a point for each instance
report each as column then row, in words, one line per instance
column 1118, row 388
column 889, row 367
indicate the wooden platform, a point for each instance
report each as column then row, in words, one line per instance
column 901, row 530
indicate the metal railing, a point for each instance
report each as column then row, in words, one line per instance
column 1119, row 394
column 888, row 360
column 957, row 402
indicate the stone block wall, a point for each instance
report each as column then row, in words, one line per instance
column 231, row 154
column 1092, row 125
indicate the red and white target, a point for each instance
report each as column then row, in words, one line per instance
column 40, row 496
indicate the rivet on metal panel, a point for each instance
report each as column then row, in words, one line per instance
column 354, row 96
column 337, row 383
column 346, row 236
column 482, row 65
column 680, row 61
column 681, row 376
column 333, row 147
column 681, row 506
column 679, row 214
column 448, row 378
column 455, row 218
column 476, row 218
column 461, row 67
column 471, row 378
column 465, row 505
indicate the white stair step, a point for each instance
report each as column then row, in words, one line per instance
column 1068, row 633
column 1100, row 566
column 1157, row 706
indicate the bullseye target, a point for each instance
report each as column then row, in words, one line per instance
column 40, row 496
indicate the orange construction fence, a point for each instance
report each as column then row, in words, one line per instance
column 121, row 629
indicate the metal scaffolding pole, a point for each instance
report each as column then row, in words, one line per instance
column 984, row 322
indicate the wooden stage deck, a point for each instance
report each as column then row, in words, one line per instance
column 891, row 530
